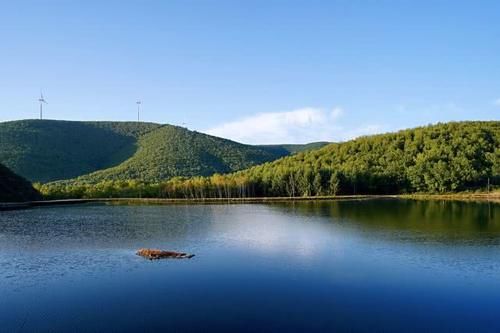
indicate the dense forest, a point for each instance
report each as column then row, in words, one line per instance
column 434, row 159
column 49, row 150
column 14, row 188
column 171, row 151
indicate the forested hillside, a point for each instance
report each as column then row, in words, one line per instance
column 46, row 150
column 172, row 151
column 14, row 188
column 288, row 149
column 439, row 158
column 49, row 150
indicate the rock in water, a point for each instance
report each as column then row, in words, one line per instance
column 152, row 254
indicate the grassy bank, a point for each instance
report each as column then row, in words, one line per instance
column 465, row 196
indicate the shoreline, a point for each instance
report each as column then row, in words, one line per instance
column 478, row 197
column 485, row 197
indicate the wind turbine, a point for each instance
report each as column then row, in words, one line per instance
column 138, row 110
column 42, row 101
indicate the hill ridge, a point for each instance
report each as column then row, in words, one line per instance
column 446, row 157
column 53, row 150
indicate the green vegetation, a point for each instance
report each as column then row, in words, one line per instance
column 435, row 159
column 14, row 188
column 172, row 151
column 48, row 150
column 287, row 149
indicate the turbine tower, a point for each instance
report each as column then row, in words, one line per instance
column 138, row 110
column 42, row 101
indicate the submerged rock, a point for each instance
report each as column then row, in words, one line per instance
column 152, row 254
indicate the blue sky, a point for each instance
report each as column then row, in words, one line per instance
column 254, row 71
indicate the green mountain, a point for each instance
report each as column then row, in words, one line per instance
column 439, row 158
column 49, row 150
column 46, row 150
column 171, row 151
column 14, row 188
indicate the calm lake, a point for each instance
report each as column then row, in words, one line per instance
column 373, row 265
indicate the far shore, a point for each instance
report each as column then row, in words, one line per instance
column 465, row 196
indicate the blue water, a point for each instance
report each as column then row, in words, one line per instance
column 378, row 265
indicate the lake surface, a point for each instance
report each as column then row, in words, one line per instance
column 376, row 265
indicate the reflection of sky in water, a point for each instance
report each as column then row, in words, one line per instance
column 348, row 265
column 261, row 229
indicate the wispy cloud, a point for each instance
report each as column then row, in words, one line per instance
column 297, row 126
column 496, row 102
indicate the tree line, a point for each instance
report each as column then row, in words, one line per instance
column 433, row 159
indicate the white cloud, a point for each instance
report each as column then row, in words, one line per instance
column 297, row 126
column 497, row 102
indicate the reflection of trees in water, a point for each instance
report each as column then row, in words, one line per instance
column 130, row 226
column 157, row 223
column 448, row 218
column 103, row 226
